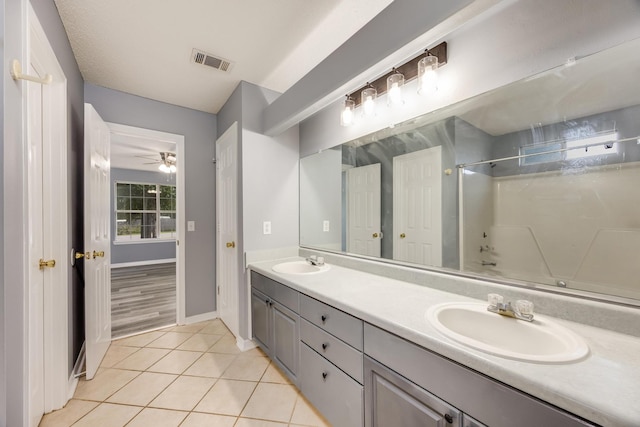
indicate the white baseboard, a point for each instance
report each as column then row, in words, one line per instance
column 201, row 317
column 245, row 345
column 141, row 263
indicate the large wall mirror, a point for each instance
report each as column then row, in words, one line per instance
column 537, row 181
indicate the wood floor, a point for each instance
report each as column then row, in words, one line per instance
column 142, row 298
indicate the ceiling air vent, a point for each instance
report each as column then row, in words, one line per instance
column 204, row 58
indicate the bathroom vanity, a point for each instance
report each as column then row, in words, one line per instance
column 359, row 346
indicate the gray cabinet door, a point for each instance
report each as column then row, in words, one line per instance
column 392, row 400
column 260, row 319
column 286, row 337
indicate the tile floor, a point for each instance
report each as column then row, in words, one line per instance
column 187, row 376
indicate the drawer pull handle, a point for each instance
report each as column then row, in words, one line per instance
column 324, row 376
column 325, row 345
column 323, row 318
column 448, row 418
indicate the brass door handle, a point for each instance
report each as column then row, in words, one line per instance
column 98, row 254
column 231, row 244
column 402, row 236
column 375, row 235
column 42, row 263
column 79, row 255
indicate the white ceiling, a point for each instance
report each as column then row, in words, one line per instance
column 144, row 47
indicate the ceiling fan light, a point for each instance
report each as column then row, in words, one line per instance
column 172, row 169
column 164, row 168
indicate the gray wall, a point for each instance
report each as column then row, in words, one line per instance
column 199, row 130
column 149, row 250
column 3, row 381
column 14, row 39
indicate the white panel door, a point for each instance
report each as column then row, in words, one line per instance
column 363, row 210
column 227, row 228
column 97, row 237
column 417, row 207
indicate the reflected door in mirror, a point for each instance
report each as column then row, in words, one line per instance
column 363, row 210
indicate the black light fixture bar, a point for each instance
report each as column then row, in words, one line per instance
column 409, row 69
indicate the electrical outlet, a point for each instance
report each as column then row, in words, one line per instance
column 266, row 227
column 191, row 226
column 325, row 225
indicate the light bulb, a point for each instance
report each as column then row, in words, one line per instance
column 428, row 75
column 164, row 168
column 346, row 117
column 368, row 100
column 394, row 89
column 172, row 168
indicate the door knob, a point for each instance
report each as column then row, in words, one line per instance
column 231, row 244
column 375, row 235
column 42, row 263
column 98, row 254
column 402, row 236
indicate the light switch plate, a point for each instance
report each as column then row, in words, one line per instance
column 191, row 226
column 266, row 227
column 325, row 225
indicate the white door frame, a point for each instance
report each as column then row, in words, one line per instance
column 178, row 140
column 58, row 384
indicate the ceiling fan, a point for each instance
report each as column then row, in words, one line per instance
column 167, row 161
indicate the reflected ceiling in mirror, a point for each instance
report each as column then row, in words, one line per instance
column 535, row 182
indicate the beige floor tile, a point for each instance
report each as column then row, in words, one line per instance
column 249, row 422
column 226, row 397
column 175, row 362
column 143, row 389
column 170, row 340
column 274, row 374
column 226, row 344
column 215, row 327
column 192, row 328
column 306, row 415
column 104, row 384
column 208, row 420
column 142, row 359
column 117, row 353
column 184, row 393
column 139, row 340
column 72, row 412
column 273, row 402
column 210, row 365
column 151, row 417
column 109, row 415
column 200, row 342
column 254, row 352
column 246, row 368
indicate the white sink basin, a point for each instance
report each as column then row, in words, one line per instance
column 540, row 341
column 299, row 267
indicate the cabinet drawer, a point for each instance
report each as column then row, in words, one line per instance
column 338, row 397
column 279, row 292
column 340, row 354
column 338, row 323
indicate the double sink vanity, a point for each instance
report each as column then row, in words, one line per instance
column 372, row 350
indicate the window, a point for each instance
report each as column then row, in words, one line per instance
column 145, row 211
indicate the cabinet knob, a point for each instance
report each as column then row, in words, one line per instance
column 325, row 345
column 323, row 318
column 448, row 418
column 324, row 375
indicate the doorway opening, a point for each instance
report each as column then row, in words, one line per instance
column 147, row 258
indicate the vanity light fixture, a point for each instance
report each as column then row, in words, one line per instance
column 428, row 74
column 347, row 115
column 368, row 100
column 423, row 67
column 395, row 82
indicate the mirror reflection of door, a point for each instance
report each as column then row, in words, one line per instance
column 417, row 207
column 363, row 210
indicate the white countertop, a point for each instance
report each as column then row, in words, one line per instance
column 603, row 388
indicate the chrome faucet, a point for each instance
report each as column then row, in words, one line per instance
column 315, row 260
column 523, row 309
